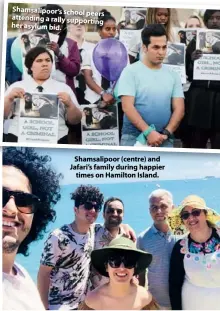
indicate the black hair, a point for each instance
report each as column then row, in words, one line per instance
column 47, row 20
column 152, row 30
column 104, row 17
column 208, row 14
column 110, row 200
column 87, row 193
column 32, row 54
column 88, row 117
column 44, row 182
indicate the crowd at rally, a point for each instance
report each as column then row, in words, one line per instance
column 173, row 265
column 153, row 105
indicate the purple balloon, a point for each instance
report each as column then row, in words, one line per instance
column 110, row 58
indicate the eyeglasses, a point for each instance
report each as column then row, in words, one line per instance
column 25, row 202
column 89, row 206
column 194, row 213
column 116, row 261
column 111, row 210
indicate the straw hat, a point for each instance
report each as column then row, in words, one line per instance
column 174, row 219
column 99, row 257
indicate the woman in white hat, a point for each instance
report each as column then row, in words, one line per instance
column 120, row 261
column 195, row 260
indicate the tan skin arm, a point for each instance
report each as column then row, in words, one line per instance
column 177, row 115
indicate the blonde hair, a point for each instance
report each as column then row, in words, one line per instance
column 151, row 19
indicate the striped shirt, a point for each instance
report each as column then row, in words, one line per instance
column 160, row 245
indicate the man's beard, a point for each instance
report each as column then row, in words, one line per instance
column 114, row 222
column 9, row 244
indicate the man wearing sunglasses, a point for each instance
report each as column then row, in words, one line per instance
column 65, row 262
column 158, row 241
column 30, row 189
column 113, row 213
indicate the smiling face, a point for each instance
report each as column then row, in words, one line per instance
column 194, row 223
column 84, row 216
column 15, row 225
column 113, row 214
column 160, row 207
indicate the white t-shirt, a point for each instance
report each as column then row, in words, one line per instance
column 69, row 254
column 88, row 63
column 50, row 86
column 20, row 292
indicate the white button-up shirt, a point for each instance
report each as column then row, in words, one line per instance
column 50, row 86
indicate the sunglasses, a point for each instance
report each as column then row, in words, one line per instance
column 117, row 260
column 194, row 213
column 111, row 210
column 89, row 206
column 25, row 202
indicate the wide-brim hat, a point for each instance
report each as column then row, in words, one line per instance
column 175, row 221
column 100, row 257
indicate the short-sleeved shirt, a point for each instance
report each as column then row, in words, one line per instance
column 160, row 245
column 153, row 90
column 19, row 291
column 68, row 253
column 50, row 86
column 102, row 238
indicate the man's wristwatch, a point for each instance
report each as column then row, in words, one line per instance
column 167, row 133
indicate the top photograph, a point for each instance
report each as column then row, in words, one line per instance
column 111, row 76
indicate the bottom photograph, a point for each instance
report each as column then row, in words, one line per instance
column 110, row 230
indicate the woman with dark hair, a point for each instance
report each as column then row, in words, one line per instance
column 195, row 260
column 120, row 261
column 30, row 191
column 154, row 16
column 202, row 116
column 66, row 50
column 38, row 62
column 97, row 86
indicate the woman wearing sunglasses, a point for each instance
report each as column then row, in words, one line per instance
column 195, row 260
column 120, row 261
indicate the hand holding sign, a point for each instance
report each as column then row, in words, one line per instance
column 65, row 99
column 110, row 58
column 16, row 92
column 54, row 47
column 196, row 55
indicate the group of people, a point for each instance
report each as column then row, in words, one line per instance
column 174, row 264
column 150, row 98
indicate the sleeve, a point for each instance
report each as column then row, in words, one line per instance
column 86, row 62
column 177, row 88
column 70, row 65
column 126, row 83
column 176, row 277
column 134, row 45
column 51, row 252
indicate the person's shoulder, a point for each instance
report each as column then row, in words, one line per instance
column 21, row 269
column 60, row 85
column 93, row 298
column 170, row 73
column 60, row 231
column 89, row 45
column 147, row 232
column 145, row 296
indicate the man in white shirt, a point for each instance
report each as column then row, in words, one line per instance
column 39, row 64
column 30, row 189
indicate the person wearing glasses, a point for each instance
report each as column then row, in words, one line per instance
column 113, row 212
column 120, row 261
column 158, row 241
column 30, row 191
column 195, row 261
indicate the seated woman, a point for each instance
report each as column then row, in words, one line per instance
column 120, row 261
column 38, row 62
column 195, row 260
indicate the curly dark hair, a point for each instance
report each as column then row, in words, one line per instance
column 44, row 182
column 87, row 193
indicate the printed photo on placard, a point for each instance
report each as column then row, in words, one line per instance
column 186, row 35
column 207, row 67
column 175, row 59
column 100, row 125
column 38, row 120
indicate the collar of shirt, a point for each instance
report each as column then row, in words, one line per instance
column 33, row 84
column 108, row 234
column 154, row 230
